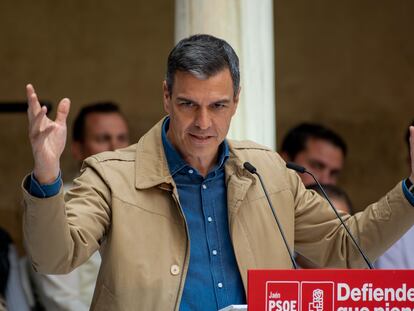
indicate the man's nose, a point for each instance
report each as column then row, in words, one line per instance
column 326, row 178
column 203, row 120
column 113, row 144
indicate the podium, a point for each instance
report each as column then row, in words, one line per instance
column 328, row 290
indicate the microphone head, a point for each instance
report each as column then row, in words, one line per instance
column 249, row 167
column 296, row 167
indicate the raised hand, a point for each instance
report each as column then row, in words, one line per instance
column 47, row 137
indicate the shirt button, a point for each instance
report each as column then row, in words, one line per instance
column 204, row 187
column 209, row 219
column 214, row 252
column 220, row 285
column 175, row 270
column 190, row 171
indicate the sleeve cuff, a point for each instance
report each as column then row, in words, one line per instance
column 46, row 190
column 407, row 193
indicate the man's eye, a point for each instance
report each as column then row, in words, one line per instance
column 103, row 138
column 187, row 104
column 316, row 165
column 219, row 106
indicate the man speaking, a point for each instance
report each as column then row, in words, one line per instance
column 177, row 218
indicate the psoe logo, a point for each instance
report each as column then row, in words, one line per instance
column 282, row 296
column 317, row 301
column 317, row 296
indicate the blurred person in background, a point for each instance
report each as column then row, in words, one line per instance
column 13, row 297
column 318, row 149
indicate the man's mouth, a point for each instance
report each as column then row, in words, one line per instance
column 200, row 138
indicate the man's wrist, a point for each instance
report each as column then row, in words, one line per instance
column 410, row 185
column 46, row 178
column 44, row 190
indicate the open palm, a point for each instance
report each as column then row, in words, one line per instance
column 47, row 137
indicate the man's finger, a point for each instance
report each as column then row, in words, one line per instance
column 33, row 107
column 36, row 123
column 32, row 100
column 62, row 111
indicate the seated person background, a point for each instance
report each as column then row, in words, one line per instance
column 12, row 295
column 318, row 149
column 337, row 195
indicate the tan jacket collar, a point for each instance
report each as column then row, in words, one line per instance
column 151, row 167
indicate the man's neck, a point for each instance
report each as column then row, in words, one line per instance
column 202, row 164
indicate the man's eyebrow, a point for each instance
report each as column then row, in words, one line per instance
column 221, row 101
column 317, row 162
column 184, row 99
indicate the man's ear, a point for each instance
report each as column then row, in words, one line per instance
column 76, row 149
column 166, row 97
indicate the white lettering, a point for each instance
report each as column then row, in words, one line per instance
column 356, row 294
column 378, row 294
column 410, row 294
column 369, row 293
column 343, row 295
column 282, row 305
column 389, row 294
column 401, row 293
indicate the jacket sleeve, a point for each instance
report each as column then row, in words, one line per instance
column 62, row 233
column 320, row 237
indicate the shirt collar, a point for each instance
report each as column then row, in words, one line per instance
column 174, row 159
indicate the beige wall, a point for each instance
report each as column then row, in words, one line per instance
column 350, row 66
column 347, row 65
column 84, row 50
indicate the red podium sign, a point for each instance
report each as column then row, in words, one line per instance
column 328, row 290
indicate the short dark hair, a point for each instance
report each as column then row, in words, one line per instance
column 296, row 139
column 203, row 56
column 334, row 192
column 78, row 133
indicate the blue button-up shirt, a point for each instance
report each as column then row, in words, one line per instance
column 213, row 279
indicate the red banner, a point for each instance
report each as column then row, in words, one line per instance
column 328, row 290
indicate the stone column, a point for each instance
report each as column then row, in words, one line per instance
column 248, row 26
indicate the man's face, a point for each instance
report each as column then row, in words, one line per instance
column 321, row 158
column 103, row 132
column 200, row 113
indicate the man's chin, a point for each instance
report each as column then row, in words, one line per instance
column 202, row 150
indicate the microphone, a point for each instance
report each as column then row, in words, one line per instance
column 302, row 170
column 253, row 170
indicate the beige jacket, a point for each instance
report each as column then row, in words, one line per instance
column 126, row 203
